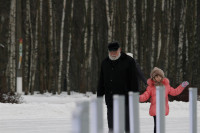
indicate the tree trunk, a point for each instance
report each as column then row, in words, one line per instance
column 139, row 27
column 191, row 40
column 34, row 56
column 130, row 27
column 126, row 49
column 50, row 46
column 61, row 48
column 164, row 24
column 12, row 46
column 41, row 53
column 178, row 7
column 134, row 32
column 90, row 47
column 28, row 42
column 69, row 48
column 157, row 31
column 198, row 41
column 110, row 18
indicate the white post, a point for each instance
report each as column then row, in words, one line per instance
column 96, row 109
column 134, row 112
column 81, row 118
column 160, row 109
column 19, row 69
column 76, row 121
column 193, row 109
column 118, row 115
column 19, row 85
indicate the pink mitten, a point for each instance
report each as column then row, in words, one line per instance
column 185, row 83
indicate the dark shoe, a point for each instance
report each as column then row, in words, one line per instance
column 110, row 131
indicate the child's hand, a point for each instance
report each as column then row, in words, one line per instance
column 185, row 83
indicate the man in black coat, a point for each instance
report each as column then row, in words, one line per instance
column 118, row 76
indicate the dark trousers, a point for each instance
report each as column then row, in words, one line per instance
column 154, row 117
column 110, row 119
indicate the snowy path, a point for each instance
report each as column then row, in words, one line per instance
column 34, row 126
column 52, row 114
column 174, row 125
column 179, row 125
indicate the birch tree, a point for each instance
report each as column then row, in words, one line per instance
column 157, row 33
column 40, row 56
column 91, row 46
column 182, row 40
column 87, row 23
column 127, row 26
column 86, row 32
column 88, row 42
column 164, row 23
column 34, row 56
column 69, row 49
column 110, row 11
column 134, row 32
column 61, row 48
column 28, row 43
column 12, row 58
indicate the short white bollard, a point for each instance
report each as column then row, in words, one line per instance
column 134, row 112
column 193, row 109
column 81, row 118
column 96, row 119
column 119, row 115
column 19, row 85
column 160, row 109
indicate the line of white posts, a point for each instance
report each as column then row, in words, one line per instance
column 88, row 116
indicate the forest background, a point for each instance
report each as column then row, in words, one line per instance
column 62, row 42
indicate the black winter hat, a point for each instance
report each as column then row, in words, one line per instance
column 113, row 46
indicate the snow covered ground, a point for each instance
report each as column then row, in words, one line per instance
column 53, row 113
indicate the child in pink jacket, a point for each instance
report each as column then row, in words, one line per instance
column 157, row 79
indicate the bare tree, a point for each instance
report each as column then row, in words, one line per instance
column 69, row 49
column 198, row 40
column 4, row 46
column 91, row 46
column 50, row 46
column 28, row 43
column 12, row 52
column 164, row 24
column 148, row 36
column 61, row 48
column 139, row 25
column 41, row 52
column 133, row 34
column 110, row 4
column 34, row 55
column 130, row 27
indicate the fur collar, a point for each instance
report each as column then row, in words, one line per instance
column 150, row 82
